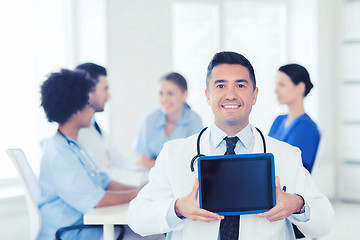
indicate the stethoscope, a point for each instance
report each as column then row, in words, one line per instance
column 202, row 155
column 90, row 163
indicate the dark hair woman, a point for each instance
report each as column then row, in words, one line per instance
column 296, row 128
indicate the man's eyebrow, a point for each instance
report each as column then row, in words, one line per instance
column 242, row 80
column 237, row 81
column 219, row 81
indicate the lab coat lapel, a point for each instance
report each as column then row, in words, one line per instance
column 202, row 230
column 205, row 148
column 205, row 144
column 258, row 145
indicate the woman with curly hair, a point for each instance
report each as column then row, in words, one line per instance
column 70, row 182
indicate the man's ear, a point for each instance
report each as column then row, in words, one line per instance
column 186, row 93
column 207, row 95
column 256, row 91
column 91, row 97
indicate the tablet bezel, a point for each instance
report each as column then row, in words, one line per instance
column 268, row 156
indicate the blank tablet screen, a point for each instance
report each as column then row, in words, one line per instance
column 237, row 184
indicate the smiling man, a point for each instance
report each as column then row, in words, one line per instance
column 169, row 202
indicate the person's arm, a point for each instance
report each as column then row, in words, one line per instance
column 146, row 161
column 153, row 210
column 117, row 193
column 316, row 220
column 287, row 204
column 116, row 186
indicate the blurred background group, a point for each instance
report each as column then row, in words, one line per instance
column 140, row 41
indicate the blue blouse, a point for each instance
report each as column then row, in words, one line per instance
column 302, row 133
column 152, row 135
column 70, row 187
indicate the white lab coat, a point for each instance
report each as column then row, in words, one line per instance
column 108, row 158
column 171, row 179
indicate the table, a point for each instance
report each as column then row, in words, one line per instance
column 108, row 217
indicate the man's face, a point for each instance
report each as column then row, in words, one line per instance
column 101, row 94
column 231, row 96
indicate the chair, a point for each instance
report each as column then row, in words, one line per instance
column 31, row 188
column 32, row 196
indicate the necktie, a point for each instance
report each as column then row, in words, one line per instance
column 229, row 226
column 97, row 127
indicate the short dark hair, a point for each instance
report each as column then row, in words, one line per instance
column 230, row 58
column 297, row 74
column 176, row 78
column 64, row 93
column 93, row 70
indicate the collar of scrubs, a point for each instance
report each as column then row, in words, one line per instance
column 286, row 130
column 184, row 117
column 78, row 149
column 92, row 121
column 73, row 142
column 217, row 135
column 294, row 122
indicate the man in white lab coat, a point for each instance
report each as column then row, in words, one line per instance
column 98, row 144
column 96, row 141
column 168, row 203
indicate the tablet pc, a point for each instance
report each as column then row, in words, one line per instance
column 237, row 184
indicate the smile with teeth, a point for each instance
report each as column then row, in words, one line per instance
column 230, row 106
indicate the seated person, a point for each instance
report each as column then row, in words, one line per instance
column 174, row 120
column 296, row 128
column 70, row 182
column 95, row 140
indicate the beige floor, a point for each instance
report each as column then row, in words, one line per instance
column 347, row 222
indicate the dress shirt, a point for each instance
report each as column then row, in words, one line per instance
column 102, row 150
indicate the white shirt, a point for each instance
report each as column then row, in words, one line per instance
column 107, row 156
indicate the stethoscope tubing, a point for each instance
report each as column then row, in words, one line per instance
column 89, row 161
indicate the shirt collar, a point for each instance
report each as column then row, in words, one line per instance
column 182, row 120
column 217, row 135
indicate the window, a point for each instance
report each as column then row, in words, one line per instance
column 35, row 46
column 254, row 28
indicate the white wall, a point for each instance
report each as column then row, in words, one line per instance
column 139, row 53
column 329, row 97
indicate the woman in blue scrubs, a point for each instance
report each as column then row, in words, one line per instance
column 173, row 120
column 296, row 128
column 70, row 181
